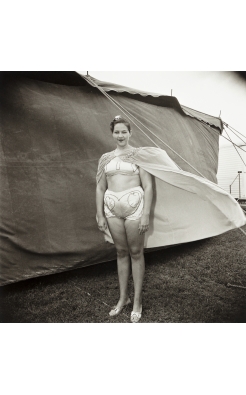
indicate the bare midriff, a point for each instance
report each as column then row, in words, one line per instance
column 120, row 182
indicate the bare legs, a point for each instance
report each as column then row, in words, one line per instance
column 118, row 232
column 136, row 245
column 128, row 244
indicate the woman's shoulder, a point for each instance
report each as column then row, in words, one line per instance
column 106, row 156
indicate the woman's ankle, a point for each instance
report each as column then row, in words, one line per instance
column 124, row 299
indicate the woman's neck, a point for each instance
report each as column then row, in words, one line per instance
column 120, row 150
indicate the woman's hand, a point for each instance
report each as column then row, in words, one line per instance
column 144, row 224
column 102, row 223
column 146, row 181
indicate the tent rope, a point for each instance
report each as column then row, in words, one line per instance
column 242, row 229
column 230, row 129
column 235, row 148
column 106, row 95
column 237, row 176
column 224, row 124
column 228, row 126
column 96, row 299
column 235, row 145
column 164, row 143
column 121, row 108
column 236, row 135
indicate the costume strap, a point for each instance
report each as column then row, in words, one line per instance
column 106, row 158
column 103, row 161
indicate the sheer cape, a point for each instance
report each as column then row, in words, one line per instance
column 185, row 207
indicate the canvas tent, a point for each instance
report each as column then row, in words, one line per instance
column 54, row 128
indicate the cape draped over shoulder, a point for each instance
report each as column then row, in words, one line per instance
column 185, row 207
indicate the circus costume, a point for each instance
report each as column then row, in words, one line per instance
column 127, row 204
column 185, row 207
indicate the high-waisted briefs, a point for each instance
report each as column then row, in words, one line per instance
column 127, row 204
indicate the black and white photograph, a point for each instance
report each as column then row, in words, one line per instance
column 122, row 198
column 120, row 205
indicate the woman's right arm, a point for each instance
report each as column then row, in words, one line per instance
column 100, row 191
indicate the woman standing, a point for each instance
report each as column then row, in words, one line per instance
column 123, row 197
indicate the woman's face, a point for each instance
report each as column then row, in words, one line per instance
column 121, row 135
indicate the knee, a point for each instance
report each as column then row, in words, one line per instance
column 122, row 253
column 136, row 253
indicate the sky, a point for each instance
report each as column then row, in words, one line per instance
column 212, row 92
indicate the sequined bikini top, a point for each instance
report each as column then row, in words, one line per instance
column 118, row 166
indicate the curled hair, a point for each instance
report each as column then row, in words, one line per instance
column 119, row 119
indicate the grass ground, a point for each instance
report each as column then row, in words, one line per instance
column 185, row 283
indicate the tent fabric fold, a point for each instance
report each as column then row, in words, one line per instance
column 156, row 98
column 53, row 130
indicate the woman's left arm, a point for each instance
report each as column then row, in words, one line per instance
column 146, row 180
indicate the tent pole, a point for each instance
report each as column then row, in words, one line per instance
column 239, row 172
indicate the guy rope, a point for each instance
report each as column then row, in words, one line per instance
column 131, row 117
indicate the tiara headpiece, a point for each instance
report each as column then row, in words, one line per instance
column 117, row 117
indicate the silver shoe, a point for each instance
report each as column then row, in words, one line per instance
column 136, row 316
column 117, row 310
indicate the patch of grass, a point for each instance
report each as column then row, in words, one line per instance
column 185, row 283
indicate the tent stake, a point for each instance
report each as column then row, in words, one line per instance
column 235, row 286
